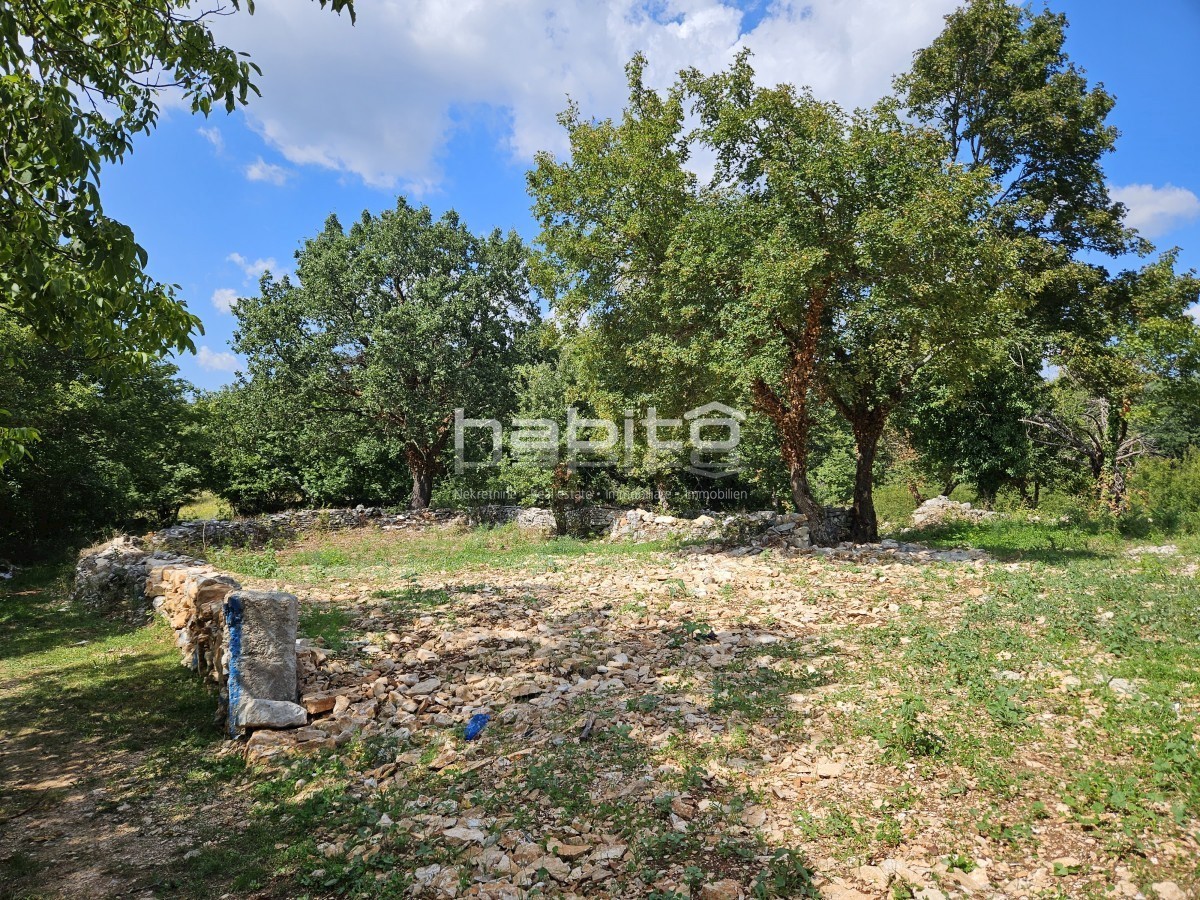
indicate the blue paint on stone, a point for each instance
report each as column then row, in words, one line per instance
column 233, row 623
column 476, row 725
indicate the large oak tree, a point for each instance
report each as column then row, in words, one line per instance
column 829, row 255
column 394, row 323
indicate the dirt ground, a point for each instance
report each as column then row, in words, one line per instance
column 662, row 724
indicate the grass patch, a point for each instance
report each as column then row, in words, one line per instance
column 71, row 675
column 205, row 506
column 326, row 624
column 353, row 554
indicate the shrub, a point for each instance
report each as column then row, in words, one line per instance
column 1164, row 494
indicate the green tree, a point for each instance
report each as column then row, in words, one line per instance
column 975, row 432
column 999, row 86
column 391, row 326
column 267, row 455
column 78, row 80
column 1139, row 347
column 820, row 235
column 606, row 259
column 120, row 450
column 875, row 266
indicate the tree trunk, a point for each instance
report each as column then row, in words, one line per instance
column 662, row 493
column 1113, row 485
column 948, row 486
column 820, row 530
column 789, row 413
column 560, row 489
column 864, row 525
column 422, row 489
column 914, row 491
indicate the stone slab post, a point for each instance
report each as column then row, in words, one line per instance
column 260, row 648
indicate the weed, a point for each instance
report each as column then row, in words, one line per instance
column 786, row 875
column 910, row 737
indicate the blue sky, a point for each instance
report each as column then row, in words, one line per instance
column 447, row 103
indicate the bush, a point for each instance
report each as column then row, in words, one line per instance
column 1164, row 495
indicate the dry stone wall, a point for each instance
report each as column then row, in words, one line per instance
column 937, row 510
column 583, row 521
column 751, row 531
column 241, row 642
column 199, row 536
column 244, row 642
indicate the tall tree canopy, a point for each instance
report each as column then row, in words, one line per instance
column 394, row 324
column 998, row 85
column 78, row 79
column 829, row 254
column 119, row 450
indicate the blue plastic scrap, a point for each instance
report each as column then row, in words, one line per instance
column 476, row 725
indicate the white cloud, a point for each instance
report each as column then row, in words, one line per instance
column 224, row 298
column 217, row 360
column 213, row 136
column 260, row 170
column 380, row 99
column 253, row 270
column 1155, row 211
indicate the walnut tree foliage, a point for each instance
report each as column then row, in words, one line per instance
column 79, row 79
column 390, row 326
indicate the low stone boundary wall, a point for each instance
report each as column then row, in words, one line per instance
column 582, row 521
column 202, row 535
column 619, row 523
column 765, row 528
column 242, row 642
column 937, row 510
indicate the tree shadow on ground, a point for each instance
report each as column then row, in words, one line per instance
column 35, row 615
column 101, row 724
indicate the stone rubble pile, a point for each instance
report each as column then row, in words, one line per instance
column 643, row 525
column 765, row 528
column 937, row 510
column 582, row 521
column 516, row 666
column 521, row 663
column 111, row 577
column 582, row 657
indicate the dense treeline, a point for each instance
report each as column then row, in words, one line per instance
column 117, row 449
column 933, row 292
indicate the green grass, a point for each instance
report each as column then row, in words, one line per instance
column 70, row 674
column 1030, row 535
column 206, row 506
column 918, row 690
column 100, row 700
column 1077, row 605
column 352, row 554
column 327, row 624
